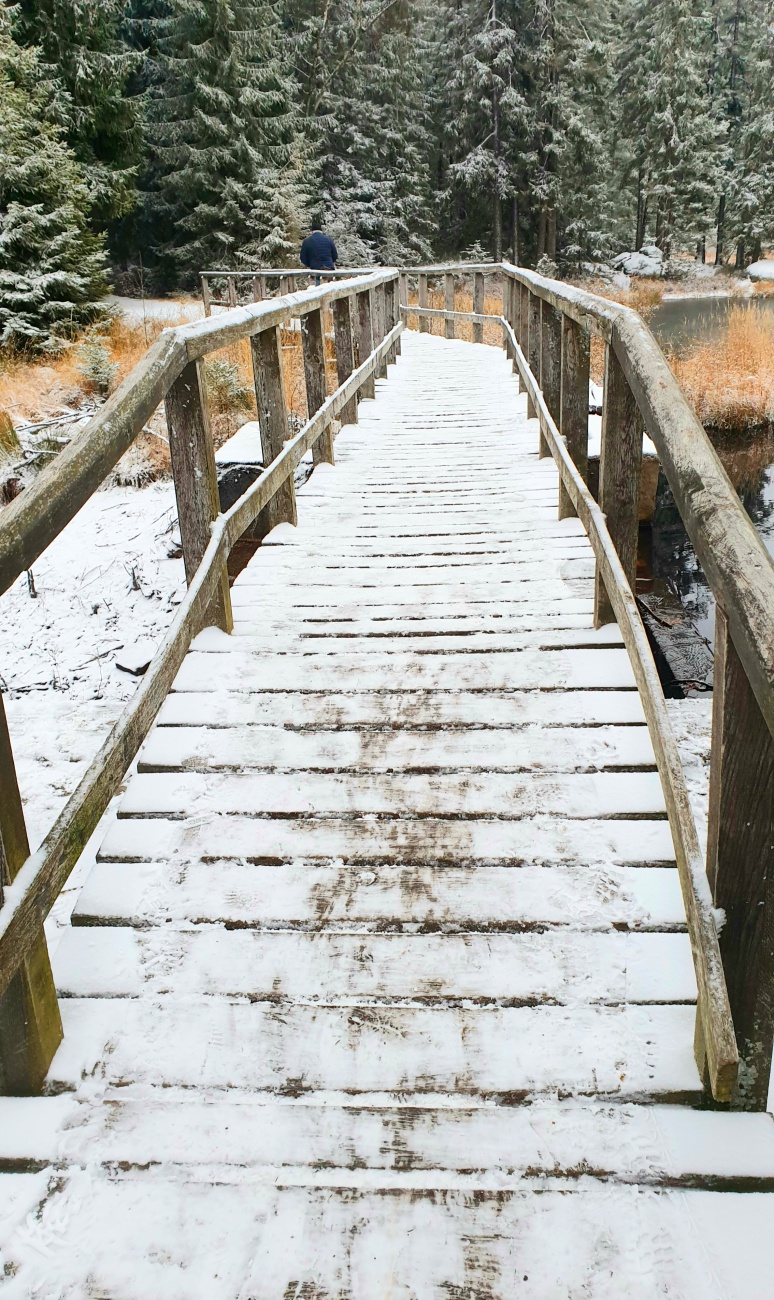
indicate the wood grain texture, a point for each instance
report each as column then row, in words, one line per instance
column 343, row 331
column 365, row 336
column 448, row 302
column 195, row 478
column 478, row 304
column 574, row 405
column 550, row 364
column 30, row 1024
column 315, row 376
column 534, row 350
column 266, row 351
column 424, row 301
column 619, row 477
column 740, row 862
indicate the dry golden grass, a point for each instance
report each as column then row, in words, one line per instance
column 730, row 381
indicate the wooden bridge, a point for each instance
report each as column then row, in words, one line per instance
column 399, row 973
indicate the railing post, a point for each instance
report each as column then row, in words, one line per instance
column 740, row 862
column 313, row 347
column 533, row 346
column 259, row 288
column 523, row 330
column 392, row 315
column 403, row 289
column 232, row 291
column 266, row 348
column 478, row 304
column 424, row 321
column 379, row 323
column 195, row 479
column 206, row 295
column 619, row 476
column 345, row 352
column 30, row 1023
column 365, row 338
column 448, row 303
column 574, row 405
column 550, row 364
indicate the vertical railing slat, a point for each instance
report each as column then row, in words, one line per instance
column 345, row 352
column 365, row 337
column 550, row 364
column 574, row 405
column 195, row 477
column 424, row 321
column 30, row 1023
column 448, row 303
column 620, row 461
column 478, row 304
column 266, row 348
column 740, row 862
column 313, row 347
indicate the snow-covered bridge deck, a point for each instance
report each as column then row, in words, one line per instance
column 381, row 986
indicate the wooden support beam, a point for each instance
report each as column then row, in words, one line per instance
column 550, row 364
column 740, row 862
column 478, row 304
column 206, row 296
column 259, row 288
column 393, row 315
column 232, row 291
column 379, row 323
column 448, row 303
column 195, row 478
column 522, row 333
column 30, row 1024
column 345, row 350
column 574, row 405
column 313, row 347
column 619, row 477
column 403, row 289
column 273, row 420
column 424, row 301
column 533, row 346
column 365, row 337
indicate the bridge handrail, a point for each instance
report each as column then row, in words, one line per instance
column 30, row 1025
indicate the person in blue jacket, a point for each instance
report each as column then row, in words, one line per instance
column 318, row 252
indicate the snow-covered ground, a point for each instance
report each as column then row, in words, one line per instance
column 108, row 582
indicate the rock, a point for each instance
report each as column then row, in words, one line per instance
column 647, row 262
column 763, row 270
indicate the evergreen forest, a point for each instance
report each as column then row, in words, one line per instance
column 143, row 141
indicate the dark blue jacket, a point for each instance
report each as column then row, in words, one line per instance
column 318, row 252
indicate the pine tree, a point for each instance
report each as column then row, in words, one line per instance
column 671, row 133
column 748, row 86
column 226, row 170
column 82, row 50
column 51, row 263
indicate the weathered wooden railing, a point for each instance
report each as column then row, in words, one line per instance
column 238, row 287
column 367, row 336
column 547, row 328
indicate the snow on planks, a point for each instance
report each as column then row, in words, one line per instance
column 381, row 986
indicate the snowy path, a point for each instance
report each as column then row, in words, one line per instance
column 381, row 986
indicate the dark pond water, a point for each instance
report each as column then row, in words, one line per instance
column 680, row 322
column 670, row 582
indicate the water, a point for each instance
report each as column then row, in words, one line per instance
column 670, row 581
column 682, row 321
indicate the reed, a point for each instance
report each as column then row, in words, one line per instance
column 730, row 380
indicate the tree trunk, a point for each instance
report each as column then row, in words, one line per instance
column 740, row 256
column 721, row 221
column 541, row 239
column 551, row 234
column 515, row 251
column 497, row 227
column 701, row 250
column 757, row 250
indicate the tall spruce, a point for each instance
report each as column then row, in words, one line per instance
column 225, row 174
column 84, row 53
column 52, row 266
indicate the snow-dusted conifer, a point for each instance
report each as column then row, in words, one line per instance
column 51, row 263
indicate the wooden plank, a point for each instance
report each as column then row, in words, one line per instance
column 313, row 347
column 740, row 855
column 30, row 1024
column 522, row 670
column 450, row 328
column 315, row 896
column 345, row 354
column 240, row 748
column 560, row 967
column 478, row 305
column 365, row 336
column 266, row 351
column 619, row 477
column 550, row 364
column 424, row 323
column 460, row 708
column 574, row 404
column 630, row 1051
column 573, row 794
column 425, row 840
